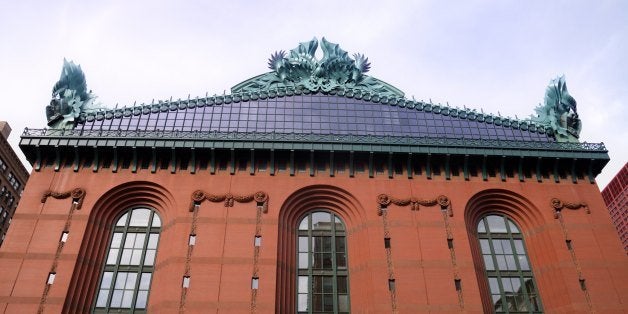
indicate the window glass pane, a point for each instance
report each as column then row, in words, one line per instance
column 481, row 228
column 513, row 228
column 486, row 249
column 341, row 284
column 120, row 280
column 139, row 241
column 139, row 217
column 127, row 299
column 496, row 224
column 149, row 259
column 303, row 284
column 130, row 240
column 116, row 299
column 339, row 224
column 321, row 221
column 328, row 303
column 507, row 285
column 341, row 260
column 318, row 284
column 340, row 244
column 304, row 222
column 116, row 240
column 303, row 244
column 327, row 262
column 156, row 221
column 142, row 297
column 130, row 281
column 126, row 257
column 343, row 303
column 152, row 240
column 494, row 285
column 328, row 284
column 488, row 262
column 516, row 284
column 112, row 257
column 145, row 282
column 501, row 262
column 519, row 247
column 135, row 258
column 497, row 301
column 302, row 302
column 303, row 260
column 529, row 283
column 497, row 247
column 122, row 221
column 523, row 262
column 326, row 244
column 507, row 247
column 102, row 298
column 510, row 262
column 106, row 280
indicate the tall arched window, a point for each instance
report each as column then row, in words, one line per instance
column 510, row 280
column 126, row 276
column 322, row 276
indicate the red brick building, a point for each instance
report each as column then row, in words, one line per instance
column 13, row 177
column 313, row 188
column 615, row 196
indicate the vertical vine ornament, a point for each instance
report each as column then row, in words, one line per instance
column 228, row 199
column 383, row 201
column 77, row 195
column 558, row 205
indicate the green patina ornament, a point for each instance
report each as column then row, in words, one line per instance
column 559, row 112
column 335, row 71
column 69, row 97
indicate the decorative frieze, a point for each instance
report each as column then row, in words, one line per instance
column 559, row 205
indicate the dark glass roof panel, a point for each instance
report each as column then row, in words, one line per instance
column 315, row 114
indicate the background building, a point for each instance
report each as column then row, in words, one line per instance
column 311, row 188
column 616, row 198
column 13, row 177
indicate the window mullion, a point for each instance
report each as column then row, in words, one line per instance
column 113, row 278
column 310, row 259
column 333, row 264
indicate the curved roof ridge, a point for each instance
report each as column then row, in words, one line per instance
column 357, row 93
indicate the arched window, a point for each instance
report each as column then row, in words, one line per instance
column 510, row 280
column 126, row 276
column 322, row 276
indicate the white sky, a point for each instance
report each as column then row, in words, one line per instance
column 493, row 55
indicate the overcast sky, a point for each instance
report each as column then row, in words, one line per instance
column 497, row 56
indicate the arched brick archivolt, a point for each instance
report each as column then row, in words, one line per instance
column 307, row 199
column 527, row 217
column 95, row 240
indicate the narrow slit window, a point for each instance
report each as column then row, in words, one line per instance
column 64, row 237
column 51, row 278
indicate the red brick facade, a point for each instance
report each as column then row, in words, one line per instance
column 591, row 274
